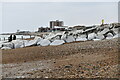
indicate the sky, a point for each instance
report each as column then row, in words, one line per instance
column 32, row 15
column 119, row 11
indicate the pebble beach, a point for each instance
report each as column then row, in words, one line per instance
column 89, row 59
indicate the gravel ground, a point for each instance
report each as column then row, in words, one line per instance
column 91, row 59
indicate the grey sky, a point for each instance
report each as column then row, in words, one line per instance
column 30, row 16
column 119, row 11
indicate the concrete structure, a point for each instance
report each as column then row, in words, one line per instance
column 56, row 23
column 54, row 26
column 41, row 29
column 60, row 28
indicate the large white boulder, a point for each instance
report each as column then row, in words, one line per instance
column 96, row 39
column 116, row 30
column 25, row 42
column 1, row 42
column 81, row 38
column 100, row 36
column 0, row 45
column 116, row 36
column 38, row 43
column 105, row 30
column 109, row 36
column 4, row 48
column 44, row 42
column 91, row 36
column 19, row 43
column 33, row 42
column 58, row 42
column 63, row 37
column 9, row 44
column 70, row 39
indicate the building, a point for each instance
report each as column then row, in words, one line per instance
column 46, row 29
column 56, row 23
column 54, row 26
column 60, row 28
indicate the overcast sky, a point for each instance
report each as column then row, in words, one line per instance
column 31, row 15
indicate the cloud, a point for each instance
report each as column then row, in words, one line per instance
column 59, row 0
column 30, row 16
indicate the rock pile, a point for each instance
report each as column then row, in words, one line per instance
column 95, row 33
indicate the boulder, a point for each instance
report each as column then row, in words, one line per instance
column 33, row 42
column 109, row 36
column 4, row 48
column 19, row 43
column 25, row 42
column 64, row 36
column 116, row 30
column 91, row 36
column 58, row 42
column 116, row 36
column 100, row 36
column 1, row 42
column 96, row 39
column 81, row 38
column 105, row 31
column 44, row 42
column 8, row 45
column 70, row 39
column 0, row 45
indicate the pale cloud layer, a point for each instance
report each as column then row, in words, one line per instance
column 59, row 0
column 0, row 17
column 29, row 16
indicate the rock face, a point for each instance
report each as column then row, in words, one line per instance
column 44, row 42
column 58, row 42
